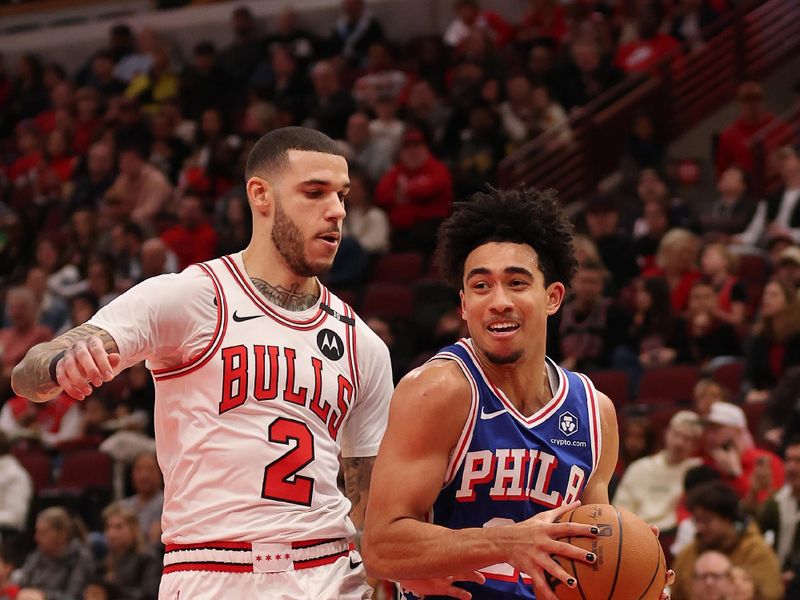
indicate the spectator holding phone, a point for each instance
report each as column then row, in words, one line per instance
column 752, row 472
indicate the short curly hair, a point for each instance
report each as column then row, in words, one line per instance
column 522, row 216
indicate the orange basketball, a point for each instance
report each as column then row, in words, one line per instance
column 630, row 564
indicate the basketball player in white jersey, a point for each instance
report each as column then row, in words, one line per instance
column 491, row 440
column 263, row 378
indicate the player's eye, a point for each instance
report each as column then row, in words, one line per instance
column 314, row 193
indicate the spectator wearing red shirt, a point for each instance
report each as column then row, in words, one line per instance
column 753, row 473
column 543, row 19
column 59, row 159
column 61, row 97
column 193, row 239
column 644, row 54
column 470, row 17
column 29, row 150
column 676, row 262
column 733, row 147
column 417, row 192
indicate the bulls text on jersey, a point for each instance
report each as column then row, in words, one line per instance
column 257, row 369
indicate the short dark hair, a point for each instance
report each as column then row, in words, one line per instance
column 269, row 153
column 717, row 497
column 521, row 216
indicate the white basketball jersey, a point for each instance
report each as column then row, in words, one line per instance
column 249, row 430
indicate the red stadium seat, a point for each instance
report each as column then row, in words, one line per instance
column 388, row 300
column 39, row 466
column 85, row 469
column 674, row 382
column 614, row 384
column 752, row 269
column 729, row 376
column 398, row 267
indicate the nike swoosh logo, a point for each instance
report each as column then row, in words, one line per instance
column 239, row 319
column 486, row 416
column 355, row 564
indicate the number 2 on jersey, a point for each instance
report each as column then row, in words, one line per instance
column 281, row 481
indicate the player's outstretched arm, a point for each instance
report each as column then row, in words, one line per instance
column 428, row 412
column 74, row 361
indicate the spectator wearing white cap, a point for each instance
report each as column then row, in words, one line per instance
column 752, row 472
column 652, row 486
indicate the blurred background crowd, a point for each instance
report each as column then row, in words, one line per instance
column 685, row 308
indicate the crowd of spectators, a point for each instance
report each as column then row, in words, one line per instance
column 132, row 167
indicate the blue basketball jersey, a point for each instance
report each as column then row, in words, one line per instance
column 507, row 467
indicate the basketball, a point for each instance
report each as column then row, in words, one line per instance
column 630, row 563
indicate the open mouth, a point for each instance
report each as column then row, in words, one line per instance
column 330, row 238
column 503, row 327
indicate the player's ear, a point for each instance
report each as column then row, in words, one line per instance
column 260, row 194
column 555, row 295
column 463, row 308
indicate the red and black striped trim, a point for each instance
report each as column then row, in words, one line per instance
column 216, row 339
column 209, row 566
column 318, row 562
column 208, row 546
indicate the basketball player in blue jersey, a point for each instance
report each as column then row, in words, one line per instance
column 490, row 442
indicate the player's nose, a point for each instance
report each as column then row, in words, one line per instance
column 500, row 299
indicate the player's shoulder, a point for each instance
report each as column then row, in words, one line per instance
column 437, row 382
column 189, row 292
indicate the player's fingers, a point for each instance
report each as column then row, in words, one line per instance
column 572, row 552
column 100, row 358
column 562, row 530
column 552, row 515
column 70, row 377
column 473, row 576
column 85, row 363
column 556, row 571
column 541, row 587
column 114, row 359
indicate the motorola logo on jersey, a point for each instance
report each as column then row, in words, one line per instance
column 330, row 344
column 567, row 423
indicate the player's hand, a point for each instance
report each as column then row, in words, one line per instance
column 85, row 364
column 442, row 586
column 537, row 543
column 670, row 576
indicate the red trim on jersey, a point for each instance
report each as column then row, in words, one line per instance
column 209, row 546
column 318, row 562
column 594, row 411
column 540, row 415
column 469, row 425
column 216, row 339
column 208, row 566
column 258, row 300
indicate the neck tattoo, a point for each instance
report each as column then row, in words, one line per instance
column 291, row 299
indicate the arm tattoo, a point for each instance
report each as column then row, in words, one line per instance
column 291, row 299
column 31, row 377
column 357, row 475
